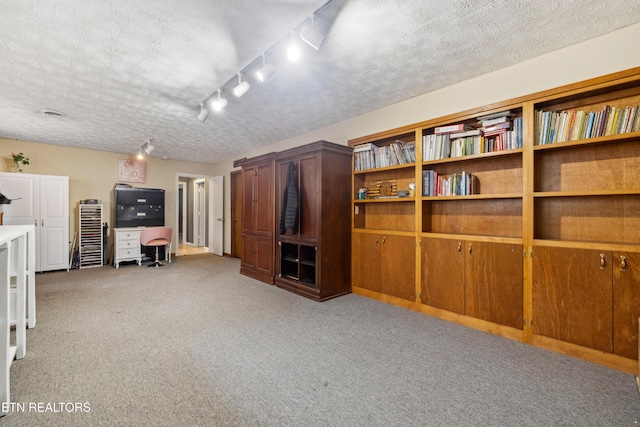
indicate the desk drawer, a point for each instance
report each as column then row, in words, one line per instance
column 129, row 243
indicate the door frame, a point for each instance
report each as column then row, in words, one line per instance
column 209, row 206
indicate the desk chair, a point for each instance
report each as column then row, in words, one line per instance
column 157, row 236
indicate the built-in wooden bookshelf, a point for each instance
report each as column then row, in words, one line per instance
column 527, row 236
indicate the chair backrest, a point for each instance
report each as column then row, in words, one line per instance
column 161, row 236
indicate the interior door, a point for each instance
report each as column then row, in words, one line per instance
column 54, row 222
column 236, row 214
column 216, row 207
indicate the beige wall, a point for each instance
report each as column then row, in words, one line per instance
column 93, row 173
column 606, row 54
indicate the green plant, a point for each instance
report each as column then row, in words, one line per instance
column 20, row 159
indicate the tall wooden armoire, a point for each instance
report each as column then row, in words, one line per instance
column 313, row 250
column 257, row 217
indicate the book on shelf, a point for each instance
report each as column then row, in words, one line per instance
column 495, row 121
column 473, row 132
column 396, row 153
column 458, row 127
column 496, row 127
column 573, row 125
column 364, row 147
column 497, row 115
column 455, row 184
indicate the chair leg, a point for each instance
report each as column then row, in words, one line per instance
column 156, row 263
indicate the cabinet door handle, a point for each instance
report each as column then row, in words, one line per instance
column 603, row 262
column 384, row 238
column 623, row 263
column 459, row 247
column 470, row 247
column 376, row 240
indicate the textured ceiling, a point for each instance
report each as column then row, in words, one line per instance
column 125, row 71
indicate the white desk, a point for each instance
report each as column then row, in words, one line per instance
column 14, row 242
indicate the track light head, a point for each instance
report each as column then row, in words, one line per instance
column 266, row 71
column 140, row 156
column 242, row 88
column 148, row 148
column 204, row 113
column 311, row 36
column 219, row 103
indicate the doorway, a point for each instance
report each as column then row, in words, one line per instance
column 199, row 222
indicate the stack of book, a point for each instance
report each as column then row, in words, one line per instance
column 572, row 125
column 495, row 132
column 370, row 156
column 502, row 131
column 456, row 184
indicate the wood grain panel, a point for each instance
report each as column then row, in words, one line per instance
column 589, row 168
column 626, row 304
column 398, row 266
column 494, row 282
column 588, row 219
column 443, row 274
column 397, row 216
column 492, row 217
column 572, row 296
column 365, row 261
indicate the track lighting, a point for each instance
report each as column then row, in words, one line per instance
column 219, row 103
column 293, row 53
column 140, row 156
column 204, row 113
column 148, row 148
column 266, row 71
column 307, row 32
column 242, row 88
column 311, row 36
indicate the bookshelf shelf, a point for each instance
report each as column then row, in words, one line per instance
column 408, row 166
column 473, row 197
column 502, row 256
column 587, row 193
column 510, row 152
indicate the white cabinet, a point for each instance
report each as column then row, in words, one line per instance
column 126, row 245
column 43, row 201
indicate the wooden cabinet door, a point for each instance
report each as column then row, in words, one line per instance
column 263, row 210
column 249, row 252
column 310, row 198
column 626, row 303
column 572, row 296
column 494, row 282
column 443, row 274
column 365, row 261
column 249, row 177
column 398, row 266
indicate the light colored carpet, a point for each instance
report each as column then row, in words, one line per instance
column 198, row 344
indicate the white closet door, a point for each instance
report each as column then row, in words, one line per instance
column 54, row 222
